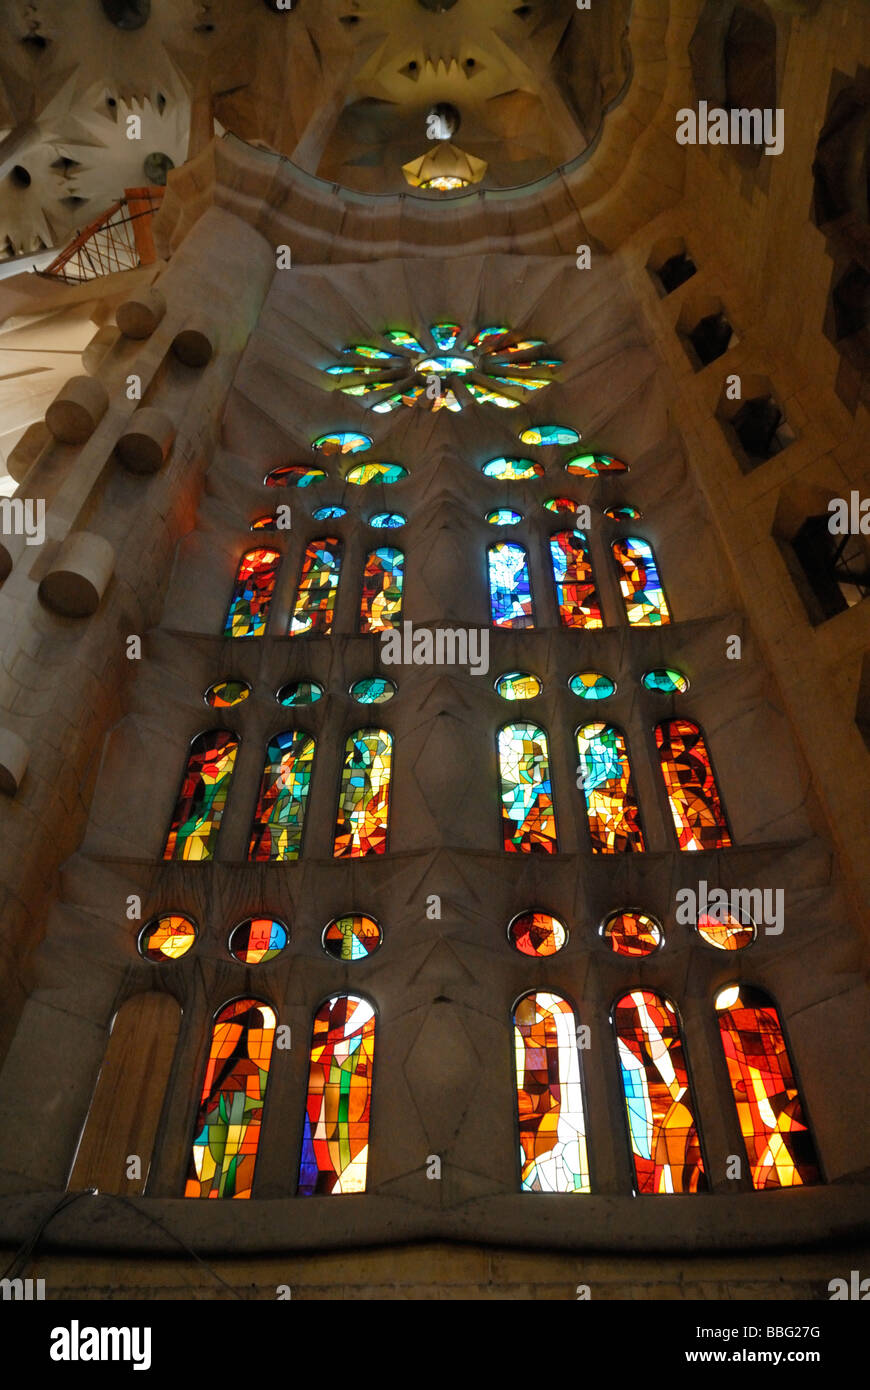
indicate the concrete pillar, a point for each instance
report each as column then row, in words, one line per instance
column 77, row 580
column 144, row 446
column 195, row 344
column 138, row 316
column 77, row 409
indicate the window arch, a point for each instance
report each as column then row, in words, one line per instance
column 663, row 1134
column 364, row 799
column 576, row 595
column 248, row 612
column 227, row 1132
column 203, row 796
column 528, row 813
column 335, row 1140
column 552, row 1121
column 314, row 609
column 696, row 807
column 383, row 576
column 279, row 819
column 510, row 588
column 778, row 1140
column 604, row 776
column 642, row 592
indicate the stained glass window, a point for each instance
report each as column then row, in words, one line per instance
column 299, row 693
column 518, row 685
column 387, row 521
column 778, row 1140
column 203, row 796
column 549, row 435
column 445, row 335
column 252, row 594
column 344, row 443
column 623, row 513
column 512, row 470
column 335, row 1141
column 591, row 465
column 314, row 610
column 294, row 475
column 279, row 819
column 576, row 594
column 504, row 516
column 666, row 680
column 258, row 940
column 510, row 590
column 645, row 602
column 604, row 774
column 725, row 931
column 373, row 690
column 329, row 513
column 167, row 938
column 381, row 606
column 225, row 694
column 352, row 938
column 364, row 799
column 269, row 522
column 404, row 340
column 552, row 1123
column 699, row 819
column 663, row 1133
column 366, row 473
column 591, row 685
column 561, row 504
column 227, row 1132
column 537, row 934
column 632, row 933
column 528, row 815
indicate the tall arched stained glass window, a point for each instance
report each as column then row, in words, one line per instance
column 576, row 595
column 661, row 1121
column 335, row 1140
column 230, row 1117
column 778, row 1140
column 528, row 815
column 279, row 819
column 203, row 796
column 364, row 799
column 696, row 807
column 510, row 589
column 252, row 595
column 645, row 603
column 314, row 609
column 381, row 606
column 549, row 1096
column 604, row 776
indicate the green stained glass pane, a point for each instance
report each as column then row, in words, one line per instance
column 366, row 473
column 549, row 435
column 666, row 680
column 504, row 516
column 518, row 685
column 373, row 690
column 591, row 685
column 512, row 470
column 300, row 693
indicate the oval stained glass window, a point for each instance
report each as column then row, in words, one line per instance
column 225, row 694
column 591, row 465
column 504, row 516
column 257, row 940
column 299, row 693
column 294, row 475
column 537, row 934
column 269, row 522
column 445, row 366
column 343, row 443
column 726, row 931
column 518, row 685
column 512, row 470
column 352, row 938
column 548, row 435
column 366, row 473
column 592, row 685
column 374, row 690
column 387, row 521
column 632, row 933
column 561, row 504
column 329, row 513
column 623, row 513
column 167, row 938
column 666, row 680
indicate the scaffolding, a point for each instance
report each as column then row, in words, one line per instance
column 120, row 239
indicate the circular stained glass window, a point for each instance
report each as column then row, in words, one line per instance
column 294, row 475
column 623, row 513
column 387, row 521
column 374, row 690
column 257, row 940
column 725, row 931
column 667, row 680
column 366, row 473
column 537, row 934
column 549, row 435
column 512, row 470
column 592, row 685
column 518, row 685
column 632, row 933
column 225, row 694
column 352, row 938
column 344, row 443
column 504, row 516
column 561, row 504
column 299, row 693
column 167, row 938
column 329, row 513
